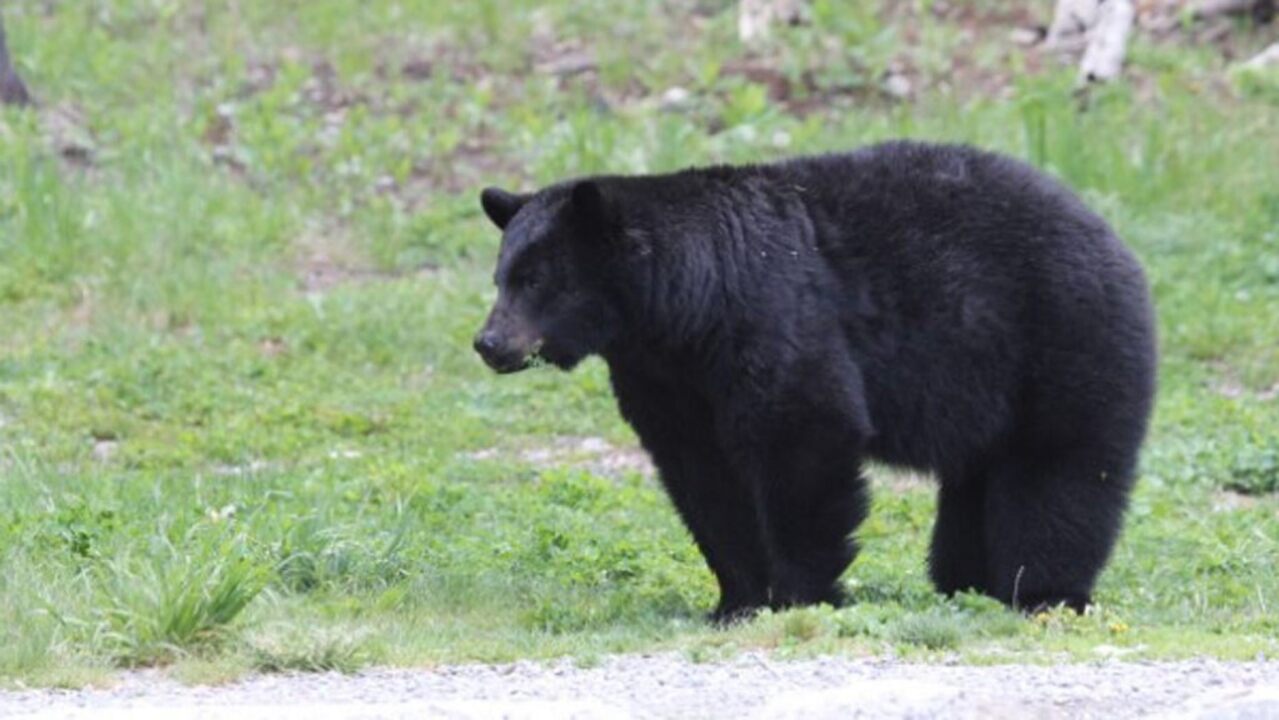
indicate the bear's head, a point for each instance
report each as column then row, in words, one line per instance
column 554, row 300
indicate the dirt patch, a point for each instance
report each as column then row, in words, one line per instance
column 441, row 57
column 989, row 15
column 807, row 93
column 1228, row 383
column 325, row 96
column 1231, row 501
column 474, row 163
column 601, row 457
column 68, row 133
column 324, row 261
column 320, row 275
column 594, row 454
column 273, row 346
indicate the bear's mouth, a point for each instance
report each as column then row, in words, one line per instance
column 531, row 358
column 534, row 358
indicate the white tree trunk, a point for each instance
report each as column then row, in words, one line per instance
column 755, row 18
column 1107, row 42
column 1071, row 21
column 1100, row 28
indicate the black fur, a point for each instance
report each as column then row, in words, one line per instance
column 767, row 328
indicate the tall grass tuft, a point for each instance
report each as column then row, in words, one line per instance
column 178, row 603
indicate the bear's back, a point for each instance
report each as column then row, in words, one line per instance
column 973, row 286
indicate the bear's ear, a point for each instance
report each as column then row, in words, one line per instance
column 501, row 205
column 590, row 204
column 587, row 198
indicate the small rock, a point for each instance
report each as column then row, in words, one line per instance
column 103, row 450
column 226, row 512
column 1026, row 36
column 676, row 98
column 573, row 63
column 594, row 445
column 897, row 86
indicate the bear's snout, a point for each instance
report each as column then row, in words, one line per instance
column 485, row 343
column 500, row 352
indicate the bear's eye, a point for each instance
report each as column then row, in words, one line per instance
column 528, row 281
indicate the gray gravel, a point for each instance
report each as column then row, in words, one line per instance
column 669, row 686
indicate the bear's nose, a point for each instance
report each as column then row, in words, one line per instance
column 486, row 342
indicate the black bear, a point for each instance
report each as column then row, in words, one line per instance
column 768, row 328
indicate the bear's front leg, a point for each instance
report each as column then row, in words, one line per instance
column 676, row 427
column 718, row 511
column 814, row 496
column 799, row 449
column 721, row 517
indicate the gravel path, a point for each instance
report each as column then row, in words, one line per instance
column 669, row 686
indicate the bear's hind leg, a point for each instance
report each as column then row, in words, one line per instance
column 1051, row 522
column 957, row 558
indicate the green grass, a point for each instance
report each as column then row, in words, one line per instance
column 241, row 427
